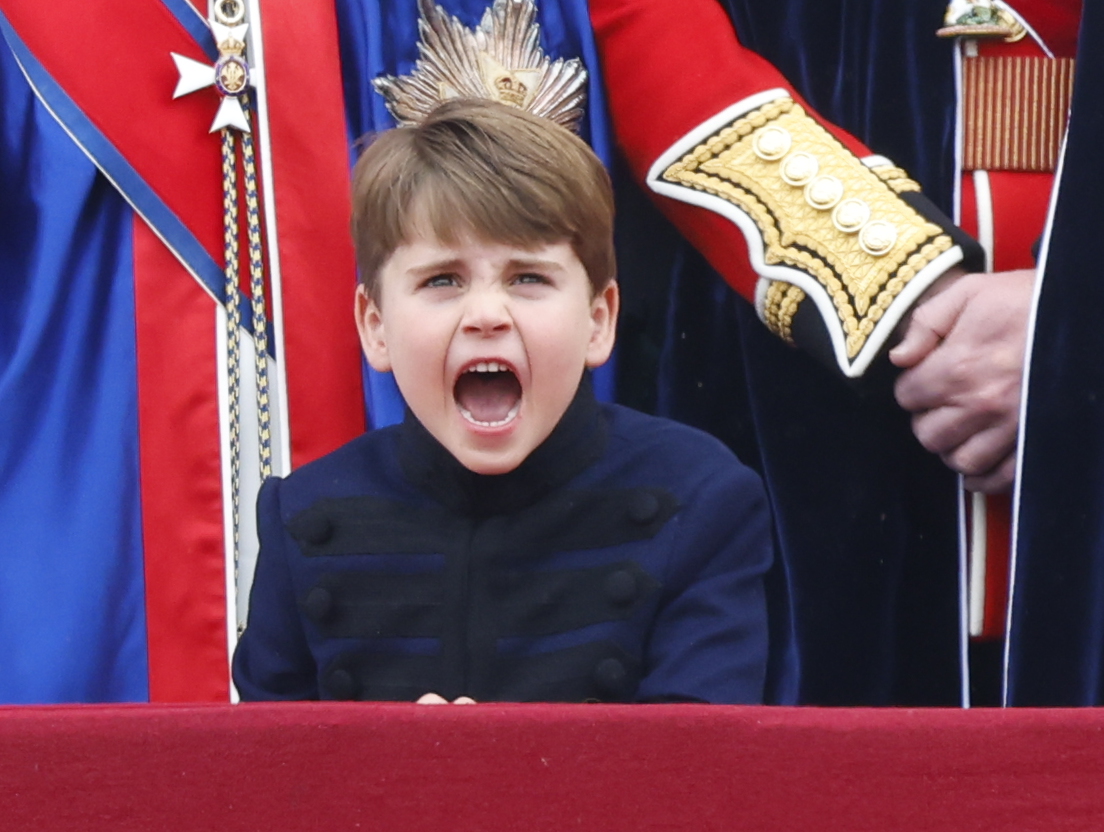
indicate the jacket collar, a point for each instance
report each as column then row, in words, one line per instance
column 576, row 443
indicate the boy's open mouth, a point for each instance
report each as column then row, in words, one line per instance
column 488, row 394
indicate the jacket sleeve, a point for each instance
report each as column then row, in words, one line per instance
column 709, row 639
column 273, row 660
column 832, row 243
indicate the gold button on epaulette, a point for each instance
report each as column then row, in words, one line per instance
column 824, row 192
column 771, row 143
column 878, row 238
column 851, row 215
column 798, row 169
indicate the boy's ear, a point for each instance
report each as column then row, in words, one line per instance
column 603, row 317
column 369, row 323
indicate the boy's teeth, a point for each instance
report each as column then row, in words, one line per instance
column 504, row 421
column 487, row 367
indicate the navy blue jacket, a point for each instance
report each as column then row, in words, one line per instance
column 622, row 561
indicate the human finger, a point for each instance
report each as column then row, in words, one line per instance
column 431, row 699
column 942, row 430
column 931, row 383
column 983, row 452
column 929, row 323
column 920, row 339
column 997, row 481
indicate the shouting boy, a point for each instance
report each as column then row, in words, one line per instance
column 513, row 539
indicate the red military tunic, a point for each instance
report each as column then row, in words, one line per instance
column 694, row 69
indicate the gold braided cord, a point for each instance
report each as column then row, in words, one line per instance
column 896, row 178
column 257, row 291
column 230, row 75
column 782, row 302
column 231, row 233
column 233, row 328
column 861, row 286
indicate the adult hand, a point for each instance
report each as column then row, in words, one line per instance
column 963, row 355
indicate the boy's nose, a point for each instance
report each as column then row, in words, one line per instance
column 485, row 313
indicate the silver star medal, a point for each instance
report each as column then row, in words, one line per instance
column 501, row 59
column 229, row 75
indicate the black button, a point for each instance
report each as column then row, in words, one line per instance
column 620, row 586
column 644, row 508
column 340, row 684
column 610, row 677
column 311, row 527
column 318, row 603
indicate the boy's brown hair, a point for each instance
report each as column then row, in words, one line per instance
column 484, row 168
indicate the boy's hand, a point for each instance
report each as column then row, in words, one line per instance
column 437, row 699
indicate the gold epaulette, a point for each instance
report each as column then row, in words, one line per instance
column 820, row 222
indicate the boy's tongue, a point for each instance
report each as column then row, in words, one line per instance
column 488, row 397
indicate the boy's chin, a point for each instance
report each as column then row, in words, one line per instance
column 491, row 451
column 489, row 463
column 492, row 457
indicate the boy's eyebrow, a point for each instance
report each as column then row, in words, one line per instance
column 445, row 264
column 533, row 263
column 451, row 264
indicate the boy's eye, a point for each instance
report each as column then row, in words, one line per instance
column 439, row 281
column 531, row 278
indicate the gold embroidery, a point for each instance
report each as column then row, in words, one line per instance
column 896, row 178
column 861, row 285
column 783, row 300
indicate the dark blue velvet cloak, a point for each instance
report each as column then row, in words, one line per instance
column 1057, row 626
column 866, row 518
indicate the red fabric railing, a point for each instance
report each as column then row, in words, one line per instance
column 547, row 767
